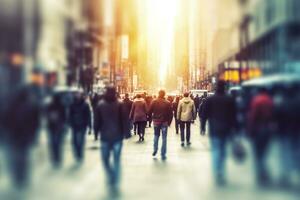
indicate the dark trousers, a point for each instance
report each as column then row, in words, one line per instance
column 141, row 128
column 185, row 126
column 56, row 140
column 78, row 141
column 260, row 147
column 135, row 128
column 177, row 124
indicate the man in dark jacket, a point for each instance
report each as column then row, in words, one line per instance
column 127, row 106
column 112, row 122
column 56, row 124
column 80, row 120
column 161, row 112
column 21, row 124
column 220, row 112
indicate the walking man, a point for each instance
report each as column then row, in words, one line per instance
column 112, row 122
column 161, row 112
column 220, row 112
column 80, row 121
column 186, row 114
column 138, row 115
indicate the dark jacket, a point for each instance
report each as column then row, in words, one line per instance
column 220, row 111
column 22, row 117
column 111, row 121
column 161, row 111
column 138, row 111
column 127, row 105
column 56, row 115
column 80, row 115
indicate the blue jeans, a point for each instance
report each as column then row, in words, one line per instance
column 163, row 129
column 112, row 169
column 218, row 149
column 56, row 141
column 78, row 141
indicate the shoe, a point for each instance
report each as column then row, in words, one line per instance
column 189, row 143
column 154, row 153
column 164, row 158
column 182, row 144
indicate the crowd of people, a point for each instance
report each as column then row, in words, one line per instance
column 112, row 119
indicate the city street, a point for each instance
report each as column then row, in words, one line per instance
column 185, row 175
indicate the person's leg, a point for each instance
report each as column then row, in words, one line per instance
column 134, row 128
column 105, row 154
column 176, row 126
column 74, row 143
column 188, row 132
column 143, row 127
column 260, row 152
column 139, row 128
column 164, row 131
column 156, row 139
column 81, row 143
column 182, row 124
column 216, row 157
column 117, row 149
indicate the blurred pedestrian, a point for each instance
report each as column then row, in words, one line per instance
column 197, row 102
column 112, row 122
column 287, row 109
column 186, row 114
column 174, row 107
column 80, row 121
column 21, row 124
column 128, row 105
column 161, row 112
column 220, row 112
column 56, row 124
column 260, row 122
column 138, row 115
column 95, row 100
column 148, row 103
column 200, row 107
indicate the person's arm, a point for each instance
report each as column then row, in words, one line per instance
column 170, row 114
column 194, row 112
column 125, row 121
column 132, row 111
column 150, row 111
column 179, row 108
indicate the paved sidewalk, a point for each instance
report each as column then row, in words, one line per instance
column 186, row 174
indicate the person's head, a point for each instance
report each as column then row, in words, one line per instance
column 126, row 95
column 177, row 99
column 110, row 94
column 186, row 94
column 138, row 96
column 161, row 94
column 205, row 94
column 221, row 87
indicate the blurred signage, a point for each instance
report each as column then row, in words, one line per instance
column 233, row 75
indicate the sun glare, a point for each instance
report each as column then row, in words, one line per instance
column 161, row 21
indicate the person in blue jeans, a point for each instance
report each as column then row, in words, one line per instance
column 161, row 112
column 80, row 121
column 112, row 122
column 220, row 111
